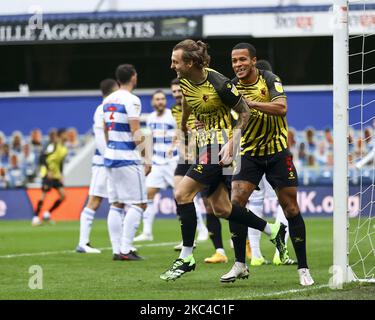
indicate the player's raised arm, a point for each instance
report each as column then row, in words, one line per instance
column 277, row 106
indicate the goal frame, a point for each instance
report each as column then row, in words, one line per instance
column 341, row 270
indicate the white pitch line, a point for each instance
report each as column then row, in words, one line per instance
column 46, row 253
column 276, row 293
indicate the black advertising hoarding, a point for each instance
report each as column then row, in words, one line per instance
column 89, row 30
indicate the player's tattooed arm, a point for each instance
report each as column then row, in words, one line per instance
column 186, row 111
column 277, row 107
column 231, row 148
column 243, row 114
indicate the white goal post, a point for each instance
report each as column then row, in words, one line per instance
column 353, row 114
column 340, row 148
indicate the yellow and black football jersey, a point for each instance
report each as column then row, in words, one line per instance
column 52, row 160
column 177, row 114
column 264, row 134
column 211, row 102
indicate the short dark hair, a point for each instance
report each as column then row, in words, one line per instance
column 107, row 86
column 175, row 81
column 248, row 46
column 158, row 91
column 52, row 131
column 124, row 72
column 61, row 131
column 263, row 65
column 195, row 51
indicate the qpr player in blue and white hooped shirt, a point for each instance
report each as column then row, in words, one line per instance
column 162, row 126
column 125, row 167
column 98, row 183
column 121, row 157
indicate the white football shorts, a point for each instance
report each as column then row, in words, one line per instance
column 127, row 184
column 98, row 183
column 161, row 176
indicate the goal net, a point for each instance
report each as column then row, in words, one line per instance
column 361, row 141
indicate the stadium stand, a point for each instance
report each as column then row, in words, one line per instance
column 312, row 151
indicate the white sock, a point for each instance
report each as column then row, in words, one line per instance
column 267, row 230
column 253, row 234
column 201, row 226
column 280, row 217
column 129, row 228
column 185, row 252
column 221, row 251
column 114, row 221
column 87, row 217
column 148, row 218
column 254, row 238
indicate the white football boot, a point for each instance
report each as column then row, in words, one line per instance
column 305, row 278
column 46, row 216
column 87, row 249
column 36, row 221
column 238, row 271
column 144, row 237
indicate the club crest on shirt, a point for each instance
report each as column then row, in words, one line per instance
column 198, row 168
column 263, row 91
column 205, row 98
column 279, row 87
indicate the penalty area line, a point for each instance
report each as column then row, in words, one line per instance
column 46, row 253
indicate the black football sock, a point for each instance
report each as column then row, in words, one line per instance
column 297, row 231
column 188, row 218
column 55, row 205
column 238, row 233
column 38, row 207
column 246, row 217
column 178, row 214
column 214, row 230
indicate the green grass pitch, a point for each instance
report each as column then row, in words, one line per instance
column 69, row 275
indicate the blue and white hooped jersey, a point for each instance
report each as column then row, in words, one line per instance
column 163, row 130
column 98, row 159
column 118, row 108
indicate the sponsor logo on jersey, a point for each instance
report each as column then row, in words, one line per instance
column 234, row 90
column 137, row 107
column 289, row 163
